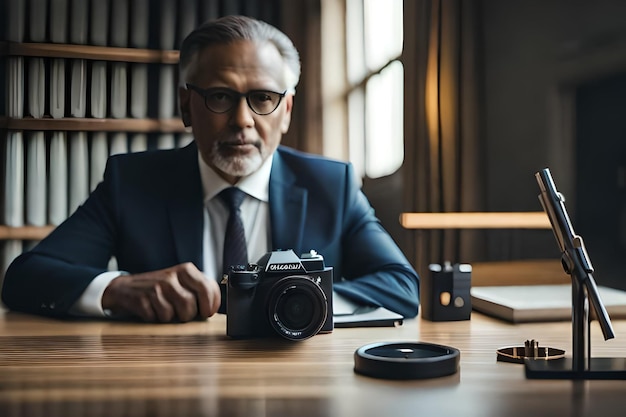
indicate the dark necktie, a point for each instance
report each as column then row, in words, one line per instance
column 235, row 250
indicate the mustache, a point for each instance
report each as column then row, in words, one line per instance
column 239, row 141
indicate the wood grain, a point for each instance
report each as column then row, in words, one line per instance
column 101, row 368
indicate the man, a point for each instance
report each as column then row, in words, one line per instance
column 160, row 215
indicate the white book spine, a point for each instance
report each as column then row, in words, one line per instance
column 139, row 29
column 99, row 30
column 119, row 143
column 78, row 172
column 58, row 21
column 139, row 142
column 36, row 180
column 58, row 193
column 78, row 88
column 15, row 87
column 139, row 91
column 14, row 180
column 36, row 87
column 11, row 249
column 79, row 21
column 118, row 91
column 98, row 91
column 38, row 12
column 57, row 88
column 187, row 18
column 166, row 141
column 119, row 23
column 168, row 24
column 16, row 22
column 99, row 154
column 166, row 92
column 184, row 139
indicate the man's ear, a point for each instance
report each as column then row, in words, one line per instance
column 184, row 97
column 284, row 127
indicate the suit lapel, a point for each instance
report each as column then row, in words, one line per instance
column 185, row 207
column 287, row 207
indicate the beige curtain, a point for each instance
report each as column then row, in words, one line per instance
column 442, row 170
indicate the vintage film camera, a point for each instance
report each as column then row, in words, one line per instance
column 280, row 294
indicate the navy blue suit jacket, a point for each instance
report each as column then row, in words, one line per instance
column 148, row 213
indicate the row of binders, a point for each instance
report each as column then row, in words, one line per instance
column 49, row 174
column 155, row 24
column 57, row 88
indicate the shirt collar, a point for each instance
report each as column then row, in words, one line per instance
column 255, row 184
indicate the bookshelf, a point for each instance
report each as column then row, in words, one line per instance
column 82, row 80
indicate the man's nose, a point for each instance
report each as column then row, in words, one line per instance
column 242, row 114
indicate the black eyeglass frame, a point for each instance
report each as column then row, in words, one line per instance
column 204, row 92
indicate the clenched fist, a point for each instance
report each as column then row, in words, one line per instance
column 181, row 292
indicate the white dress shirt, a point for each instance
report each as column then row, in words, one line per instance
column 255, row 215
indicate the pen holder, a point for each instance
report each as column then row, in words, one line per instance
column 445, row 294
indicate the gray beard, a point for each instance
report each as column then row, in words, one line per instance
column 239, row 166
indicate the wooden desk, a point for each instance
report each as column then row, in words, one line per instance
column 69, row 368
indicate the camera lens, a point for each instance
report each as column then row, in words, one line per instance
column 297, row 307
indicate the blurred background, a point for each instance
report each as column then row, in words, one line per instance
column 441, row 105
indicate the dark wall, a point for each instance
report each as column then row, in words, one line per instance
column 536, row 53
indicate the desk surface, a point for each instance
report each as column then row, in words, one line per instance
column 98, row 368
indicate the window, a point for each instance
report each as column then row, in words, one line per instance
column 374, row 89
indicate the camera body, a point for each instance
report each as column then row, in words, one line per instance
column 281, row 294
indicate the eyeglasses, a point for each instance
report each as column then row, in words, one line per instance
column 222, row 100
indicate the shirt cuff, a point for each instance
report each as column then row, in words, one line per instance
column 90, row 302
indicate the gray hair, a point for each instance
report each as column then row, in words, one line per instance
column 240, row 28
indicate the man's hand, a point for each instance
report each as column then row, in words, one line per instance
column 181, row 293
